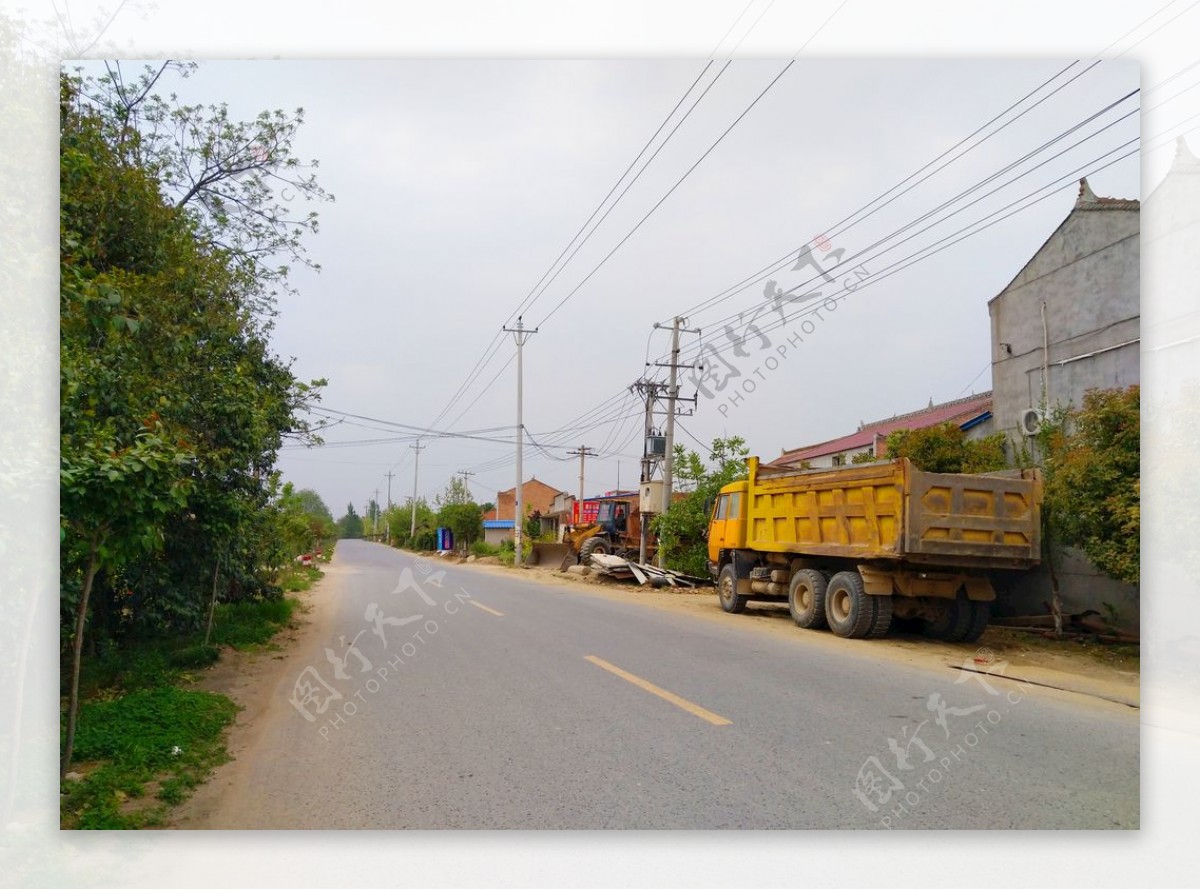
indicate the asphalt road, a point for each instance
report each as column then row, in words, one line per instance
column 514, row 704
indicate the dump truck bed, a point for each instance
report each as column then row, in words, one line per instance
column 890, row 510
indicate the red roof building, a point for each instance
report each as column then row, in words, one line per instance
column 971, row 414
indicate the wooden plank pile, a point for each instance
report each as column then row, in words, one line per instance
column 1088, row 624
column 623, row 569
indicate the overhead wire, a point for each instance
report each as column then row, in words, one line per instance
column 492, row 348
column 668, row 193
column 864, row 254
column 923, row 253
column 858, row 216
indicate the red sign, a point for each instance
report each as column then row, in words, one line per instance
column 590, row 509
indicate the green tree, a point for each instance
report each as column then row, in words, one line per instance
column 158, row 320
column 305, row 521
column 240, row 182
column 945, row 448
column 372, row 519
column 1092, row 464
column 350, row 525
column 681, row 530
column 172, row 405
column 113, row 496
column 459, row 512
column 400, row 520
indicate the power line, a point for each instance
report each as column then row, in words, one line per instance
column 495, row 345
column 945, row 243
column 669, row 192
column 855, row 218
column 865, row 254
column 492, row 348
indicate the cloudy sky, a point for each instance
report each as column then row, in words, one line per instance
column 459, row 184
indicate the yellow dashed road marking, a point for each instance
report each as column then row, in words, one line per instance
column 486, row 608
column 690, row 707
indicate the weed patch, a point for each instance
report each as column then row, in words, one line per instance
column 167, row 735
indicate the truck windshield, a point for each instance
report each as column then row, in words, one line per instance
column 605, row 512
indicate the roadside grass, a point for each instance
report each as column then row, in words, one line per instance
column 144, row 740
column 297, row 578
column 168, row 736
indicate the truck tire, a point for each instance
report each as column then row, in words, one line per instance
column 978, row 622
column 731, row 600
column 849, row 610
column 952, row 624
column 882, row 622
column 592, row 545
column 806, row 599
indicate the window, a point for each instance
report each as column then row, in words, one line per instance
column 722, row 506
column 735, row 506
column 839, row 460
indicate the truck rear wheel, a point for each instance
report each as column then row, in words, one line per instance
column 961, row 621
column 849, row 610
column 806, row 599
column 882, row 622
column 978, row 622
column 731, row 600
column 944, row 622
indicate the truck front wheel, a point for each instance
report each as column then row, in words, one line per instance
column 731, row 600
column 806, row 599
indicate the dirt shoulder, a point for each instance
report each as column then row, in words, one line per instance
column 250, row 677
column 1101, row 671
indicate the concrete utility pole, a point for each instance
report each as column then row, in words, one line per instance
column 375, row 515
column 672, row 398
column 412, row 532
column 466, row 483
column 387, row 519
column 520, row 335
column 649, row 390
column 583, row 451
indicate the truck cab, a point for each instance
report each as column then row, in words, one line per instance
column 727, row 525
column 613, row 517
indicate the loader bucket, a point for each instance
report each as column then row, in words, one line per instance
column 551, row 555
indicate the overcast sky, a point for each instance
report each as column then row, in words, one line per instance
column 459, row 183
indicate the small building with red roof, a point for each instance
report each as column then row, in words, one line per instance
column 972, row 414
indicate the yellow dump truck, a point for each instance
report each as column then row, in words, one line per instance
column 850, row 548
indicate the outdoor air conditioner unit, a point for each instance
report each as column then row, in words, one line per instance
column 1030, row 421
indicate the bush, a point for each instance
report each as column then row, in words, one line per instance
column 190, row 657
column 945, row 448
column 482, row 548
column 1092, row 464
